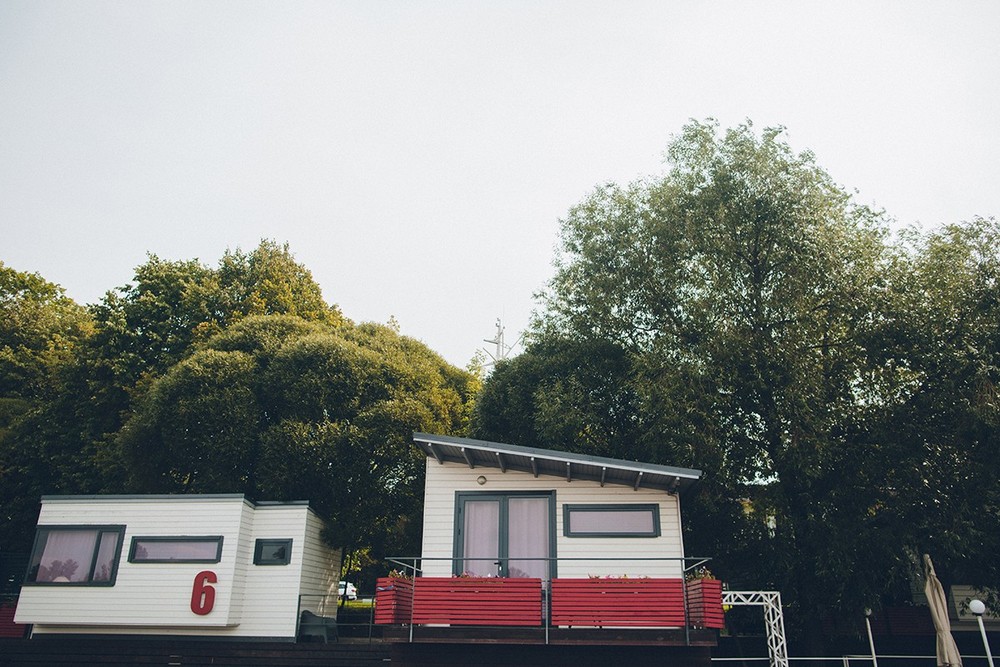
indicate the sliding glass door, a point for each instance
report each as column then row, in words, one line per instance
column 505, row 534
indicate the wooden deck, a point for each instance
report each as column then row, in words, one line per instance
column 556, row 636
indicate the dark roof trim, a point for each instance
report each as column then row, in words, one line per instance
column 570, row 466
column 173, row 497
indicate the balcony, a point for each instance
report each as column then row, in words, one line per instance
column 638, row 610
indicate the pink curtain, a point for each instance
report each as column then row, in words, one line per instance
column 482, row 537
column 528, row 537
column 67, row 555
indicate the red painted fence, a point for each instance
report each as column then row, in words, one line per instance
column 618, row 602
column 477, row 601
column 595, row 602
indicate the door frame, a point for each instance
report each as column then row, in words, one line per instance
column 458, row 540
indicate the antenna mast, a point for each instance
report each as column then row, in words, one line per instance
column 502, row 349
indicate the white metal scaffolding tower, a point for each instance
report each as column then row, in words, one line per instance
column 774, row 619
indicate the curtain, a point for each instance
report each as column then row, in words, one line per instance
column 482, row 537
column 528, row 536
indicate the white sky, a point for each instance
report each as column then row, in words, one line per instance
column 418, row 155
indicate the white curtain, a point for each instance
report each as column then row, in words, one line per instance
column 482, row 537
column 528, row 536
column 67, row 555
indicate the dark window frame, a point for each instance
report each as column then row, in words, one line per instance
column 653, row 508
column 260, row 544
column 100, row 529
column 458, row 540
column 218, row 539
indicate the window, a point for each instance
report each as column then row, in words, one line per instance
column 272, row 552
column 82, row 555
column 176, row 549
column 611, row 520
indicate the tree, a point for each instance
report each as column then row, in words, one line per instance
column 67, row 443
column 940, row 434
column 742, row 286
column 41, row 330
column 282, row 408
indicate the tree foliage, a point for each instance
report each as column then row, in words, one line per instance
column 281, row 408
column 835, row 385
column 238, row 378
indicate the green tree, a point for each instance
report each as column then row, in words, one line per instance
column 68, row 442
column 41, row 330
column 282, row 408
column 743, row 286
column 940, row 433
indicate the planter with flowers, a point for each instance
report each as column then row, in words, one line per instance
column 393, row 599
column 704, row 597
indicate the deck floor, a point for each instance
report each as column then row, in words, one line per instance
column 556, row 636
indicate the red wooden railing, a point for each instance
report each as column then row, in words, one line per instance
column 592, row 602
column 477, row 601
column 618, row 602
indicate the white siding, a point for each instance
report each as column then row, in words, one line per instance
column 320, row 570
column 443, row 480
column 270, row 603
column 154, row 598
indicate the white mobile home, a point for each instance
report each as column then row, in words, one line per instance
column 500, row 510
column 191, row 565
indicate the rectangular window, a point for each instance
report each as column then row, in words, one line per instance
column 81, row 555
column 611, row 520
column 206, row 549
column 272, row 552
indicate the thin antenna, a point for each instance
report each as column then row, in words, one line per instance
column 502, row 349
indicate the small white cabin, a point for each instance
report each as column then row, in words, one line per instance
column 494, row 509
column 191, row 565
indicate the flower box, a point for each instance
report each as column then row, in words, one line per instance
column 705, row 603
column 618, row 602
column 477, row 601
column 393, row 600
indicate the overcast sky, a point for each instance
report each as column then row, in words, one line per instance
column 417, row 156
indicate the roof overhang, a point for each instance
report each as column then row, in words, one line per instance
column 549, row 462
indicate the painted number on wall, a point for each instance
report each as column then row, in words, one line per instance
column 203, row 595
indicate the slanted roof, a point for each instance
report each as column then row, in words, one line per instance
column 567, row 465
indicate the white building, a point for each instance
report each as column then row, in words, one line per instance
column 493, row 509
column 191, row 565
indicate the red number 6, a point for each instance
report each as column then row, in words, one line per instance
column 203, row 595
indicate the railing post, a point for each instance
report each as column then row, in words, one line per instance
column 687, row 618
column 413, row 597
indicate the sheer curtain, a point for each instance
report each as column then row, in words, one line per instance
column 482, row 537
column 67, row 555
column 528, row 536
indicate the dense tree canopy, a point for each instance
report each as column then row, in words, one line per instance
column 281, row 408
column 232, row 379
column 835, row 385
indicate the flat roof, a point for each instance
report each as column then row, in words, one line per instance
column 550, row 462
column 172, row 497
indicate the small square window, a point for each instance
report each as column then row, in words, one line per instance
column 272, row 552
column 207, row 549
